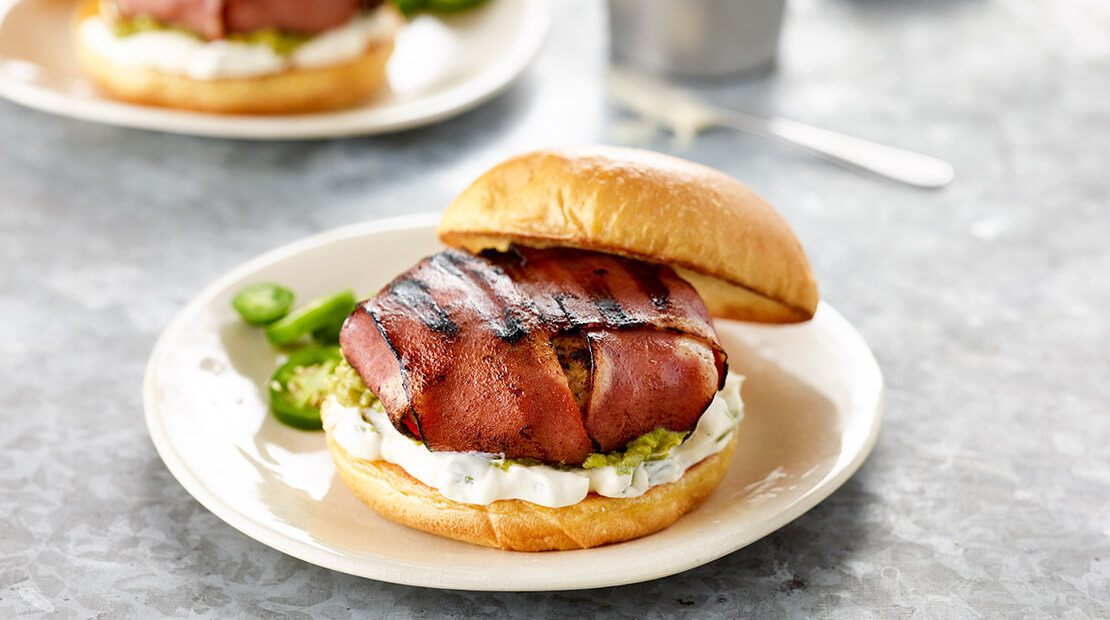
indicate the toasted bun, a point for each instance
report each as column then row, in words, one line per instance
column 523, row 526
column 291, row 91
column 722, row 237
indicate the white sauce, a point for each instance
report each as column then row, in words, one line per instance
column 178, row 53
column 475, row 478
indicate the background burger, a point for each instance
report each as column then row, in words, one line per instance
column 237, row 56
column 554, row 380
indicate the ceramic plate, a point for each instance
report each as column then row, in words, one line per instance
column 440, row 67
column 813, row 397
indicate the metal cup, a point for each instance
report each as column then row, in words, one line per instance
column 696, row 37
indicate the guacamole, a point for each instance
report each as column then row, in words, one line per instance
column 349, row 389
column 652, row 446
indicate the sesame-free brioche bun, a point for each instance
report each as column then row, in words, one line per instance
column 723, row 238
column 519, row 525
column 291, row 91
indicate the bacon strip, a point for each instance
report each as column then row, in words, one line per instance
column 459, row 349
column 574, row 289
column 644, row 379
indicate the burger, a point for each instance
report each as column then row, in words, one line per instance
column 553, row 379
column 237, row 56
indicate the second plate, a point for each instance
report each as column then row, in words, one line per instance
column 440, row 67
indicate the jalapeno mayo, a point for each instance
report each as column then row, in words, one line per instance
column 475, row 478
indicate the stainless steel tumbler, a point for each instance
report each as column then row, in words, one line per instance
column 696, row 37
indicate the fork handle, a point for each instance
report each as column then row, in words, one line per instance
column 886, row 161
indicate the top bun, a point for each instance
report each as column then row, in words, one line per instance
column 729, row 243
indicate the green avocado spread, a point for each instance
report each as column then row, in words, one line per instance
column 652, row 446
column 127, row 26
column 281, row 41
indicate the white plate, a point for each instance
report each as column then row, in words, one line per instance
column 813, row 399
column 440, row 67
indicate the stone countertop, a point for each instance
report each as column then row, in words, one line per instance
column 988, row 493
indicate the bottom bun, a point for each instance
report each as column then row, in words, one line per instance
column 291, row 91
column 518, row 525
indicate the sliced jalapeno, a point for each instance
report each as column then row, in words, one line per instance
column 315, row 315
column 263, row 303
column 299, row 386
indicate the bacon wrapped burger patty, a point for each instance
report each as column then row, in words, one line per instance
column 479, row 353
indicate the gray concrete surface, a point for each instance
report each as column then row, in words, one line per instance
column 988, row 494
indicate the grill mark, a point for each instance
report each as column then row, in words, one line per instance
column 449, row 262
column 508, row 327
column 648, row 280
column 405, row 383
column 512, row 331
column 608, row 306
column 572, row 319
column 612, row 311
column 511, row 264
column 415, row 295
